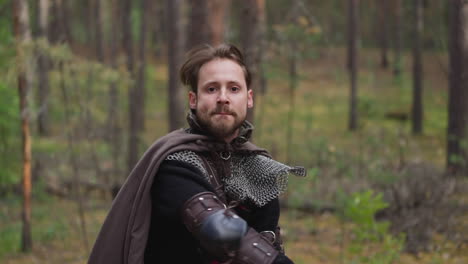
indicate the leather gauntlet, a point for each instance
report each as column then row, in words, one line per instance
column 255, row 249
column 198, row 208
column 223, row 234
column 218, row 229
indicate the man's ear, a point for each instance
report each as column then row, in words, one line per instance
column 192, row 100
column 250, row 102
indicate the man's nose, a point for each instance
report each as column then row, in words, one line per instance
column 223, row 97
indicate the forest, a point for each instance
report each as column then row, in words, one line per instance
column 370, row 96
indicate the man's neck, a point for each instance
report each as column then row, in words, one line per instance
column 230, row 138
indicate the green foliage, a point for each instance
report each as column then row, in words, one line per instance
column 9, row 108
column 372, row 241
column 9, row 140
column 367, row 107
column 10, row 239
column 46, row 225
column 303, row 188
column 360, row 208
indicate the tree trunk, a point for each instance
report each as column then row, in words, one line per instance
column 353, row 36
column 97, row 26
column 158, row 27
column 457, row 130
column 398, row 64
column 127, row 43
column 253, row 22
column 139, row 93
column 382, row 29
column 43, row 64
column 218, row 11
column 23, row 37
column 175, row 48
column 292, row 100
column 417, row 109
column 60, row 28
column 114, row 125
column 73, row 160
column 199, row 27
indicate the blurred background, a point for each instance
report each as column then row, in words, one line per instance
column 371, row 96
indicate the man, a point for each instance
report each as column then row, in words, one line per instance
column 204, row 194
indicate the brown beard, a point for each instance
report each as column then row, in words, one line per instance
column 220, row 130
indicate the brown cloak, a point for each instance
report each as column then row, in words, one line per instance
column 123, row 236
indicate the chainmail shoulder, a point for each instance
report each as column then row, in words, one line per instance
column 258, row 178
column 254, row 177
column 191, row 158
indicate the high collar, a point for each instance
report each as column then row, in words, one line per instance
column 245, row 132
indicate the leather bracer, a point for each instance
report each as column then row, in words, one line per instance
column 218, row 229
column 255, row 249
column 223, row 234
column 274, row 238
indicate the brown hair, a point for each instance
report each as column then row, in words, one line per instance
column 200, row 55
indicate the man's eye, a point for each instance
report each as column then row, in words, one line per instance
column 235, row 89
column 211, row 89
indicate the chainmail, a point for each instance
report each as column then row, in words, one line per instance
column 254, row 177
column 191, row 158
column 258, row 178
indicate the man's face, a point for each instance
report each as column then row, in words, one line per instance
column 222, row 98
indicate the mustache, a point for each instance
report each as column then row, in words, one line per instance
column 223, row 109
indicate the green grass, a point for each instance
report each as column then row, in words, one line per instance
column 47, row 223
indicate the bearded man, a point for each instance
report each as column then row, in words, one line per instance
column 204, row 194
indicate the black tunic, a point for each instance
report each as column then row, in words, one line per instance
column 169, row 241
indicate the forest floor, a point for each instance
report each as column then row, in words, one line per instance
column 309, row 238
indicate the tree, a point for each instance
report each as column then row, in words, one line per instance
column 398, row 35
column 139, row 93
column 43, row 71
column 297, row 36
column 113, row 124
column 253, row 23
column 382, row 29
column 175, row 48
column 23, row 38
column 133, row 108
column 353, row 36
column 60, row 27
column 97, row 26
column 417, row 107
column 457, row 129
column 218, row 10
column 199, row 28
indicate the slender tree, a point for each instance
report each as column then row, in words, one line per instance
column 199, row 29
column 382, row 29
column 253, row 23
column 114, row 136
column 158, row 26
column 417, row 107
column 218, row 10
column 398, row 35
column 293, row 84
column 141, row 69
column 43, row 71
column 98, row 32
column 457, row 130
column 60, row 31
column 353, row 36
column 127, row 45
column 76, row 190
column 175, row 50
column 23, row 38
